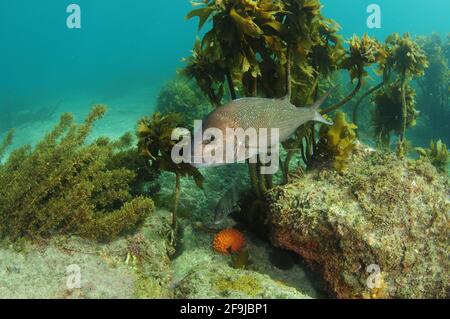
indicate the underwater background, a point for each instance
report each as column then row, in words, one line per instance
column 127, row 56
column 124, row 54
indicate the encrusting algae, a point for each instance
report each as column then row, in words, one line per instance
column 382, row 211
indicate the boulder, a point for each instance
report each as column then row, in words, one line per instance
column 377, row 230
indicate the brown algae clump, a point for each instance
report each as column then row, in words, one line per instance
column 338, row 141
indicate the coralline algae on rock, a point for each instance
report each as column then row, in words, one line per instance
column 218, row 281
column 377, row 230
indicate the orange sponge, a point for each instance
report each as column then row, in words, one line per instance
column 228, row 239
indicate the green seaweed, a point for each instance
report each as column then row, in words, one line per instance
column 64, row 186
column 181, row 96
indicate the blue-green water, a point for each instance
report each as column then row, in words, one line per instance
column 124, row 45
column 124, row 53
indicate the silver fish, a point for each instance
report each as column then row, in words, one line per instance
column 228, row 204
column 258, row 113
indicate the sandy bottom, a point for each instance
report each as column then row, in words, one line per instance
column 123, row 113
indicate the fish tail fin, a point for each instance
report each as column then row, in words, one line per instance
column 317, row 116
column 320, row 101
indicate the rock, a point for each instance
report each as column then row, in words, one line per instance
column 218, row 281
column 379, row 229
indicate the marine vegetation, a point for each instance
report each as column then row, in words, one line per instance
column 389, row 109
column 209, row 75
column 65, row 186
column 146, row 178
column 272, row 49
column 338, row 141
column 6, row 142
column 437, row 154
column 156, row 144
column 363, row 53
column 181, row 96
column 400, row 60
column 433, row 94
column 228, row 241
column 408, row 61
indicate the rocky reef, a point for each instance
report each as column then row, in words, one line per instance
column 376, row 230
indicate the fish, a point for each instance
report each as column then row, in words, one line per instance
column 228, row 204
column 257, row 113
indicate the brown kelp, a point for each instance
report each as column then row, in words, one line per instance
column 156, row 144
column 433, row 93
column 408, row 61
column 388, row 111
column 65, row 186
column 271, row 48
column 400, row 60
